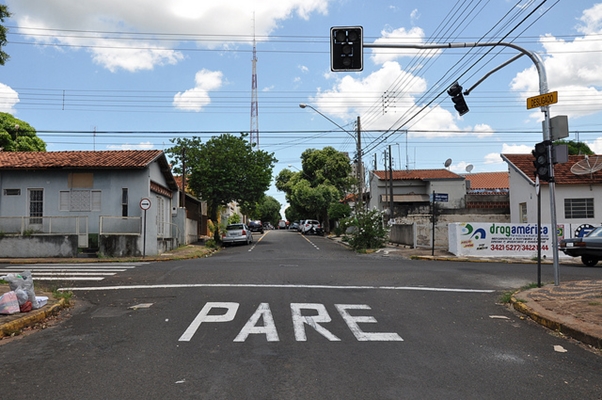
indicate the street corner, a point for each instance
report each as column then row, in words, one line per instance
column 15, row 324
column 572, row 308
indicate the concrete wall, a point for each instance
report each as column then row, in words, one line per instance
column 38, row 246
column 133, row 245
column 423, row 227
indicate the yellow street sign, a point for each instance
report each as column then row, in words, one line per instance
column 542, row 100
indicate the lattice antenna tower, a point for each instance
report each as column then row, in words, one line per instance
column 254, row 132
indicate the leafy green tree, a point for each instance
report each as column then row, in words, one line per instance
column 268, row 210
column 323, row 181
column 224, row 169
column 576, row 148
column 4, row 13
column 17, row 135
column 234, row 219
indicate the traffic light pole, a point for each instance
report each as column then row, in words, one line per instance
column 543, row 89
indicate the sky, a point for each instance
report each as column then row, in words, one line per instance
column 114, row 74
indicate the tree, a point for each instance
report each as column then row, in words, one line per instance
column 576, row 148
column 323, row 181
column 224, row 169
column 268, row 210
column 4, row 13
column 17, row 135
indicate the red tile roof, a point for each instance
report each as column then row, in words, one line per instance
column 419, row 174
column 488, row 180
column 562, row 172
column 122, row 159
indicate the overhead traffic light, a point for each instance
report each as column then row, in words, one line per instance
column 542, row 160
column 346, row 48
column 455, row 91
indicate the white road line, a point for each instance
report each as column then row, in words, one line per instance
column 266, row 286
column 67, row 266
column 310, row 242
column 69, row 278
column 61, row 273
column 68, row 270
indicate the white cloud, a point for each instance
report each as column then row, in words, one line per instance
column 127, row 146
column 413, row 36
column 596, row 145
column 573, row 68
column 132, row 19
column 495, row 158
column 8, row 99
column 352, row 95
column 198, row 97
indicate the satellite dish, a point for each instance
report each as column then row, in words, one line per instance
column 588, row 165
column 469, row 168
column 447, row 162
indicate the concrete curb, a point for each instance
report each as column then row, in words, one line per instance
column 556, row 326
column 31, row 319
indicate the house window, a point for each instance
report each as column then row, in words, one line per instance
column 36, row 206
column 124, row 202
column 79, row 200
column 12, row 192
column 579, row 208
column 522, row 212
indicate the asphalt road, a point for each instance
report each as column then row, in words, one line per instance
column 294, row 317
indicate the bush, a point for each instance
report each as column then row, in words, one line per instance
column 365, row 230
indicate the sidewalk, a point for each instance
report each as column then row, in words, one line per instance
column 571, row 308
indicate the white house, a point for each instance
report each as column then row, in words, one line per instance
column 578, row 192
column 413, row 189
column 127, row 200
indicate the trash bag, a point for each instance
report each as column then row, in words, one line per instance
column 9, row 303
column 22, row 296
column 23, row 281
column 26, row 307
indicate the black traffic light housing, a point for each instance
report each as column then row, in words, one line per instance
column 542, row 162
column 346, row 48
column 455, row 91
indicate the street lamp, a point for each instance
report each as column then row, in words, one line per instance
column 358, row 143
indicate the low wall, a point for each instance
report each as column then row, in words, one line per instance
column 37, row 246
column 120, row 245
column 402, row 234
column 133, row 246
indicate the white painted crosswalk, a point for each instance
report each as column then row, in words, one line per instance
column 70, row 272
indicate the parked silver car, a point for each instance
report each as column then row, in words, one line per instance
column 237, row 233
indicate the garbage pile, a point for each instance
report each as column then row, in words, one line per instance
column 22, row 297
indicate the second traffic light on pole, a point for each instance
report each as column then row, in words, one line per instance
column 455, row 91
column 542, row 160
column 346, row 48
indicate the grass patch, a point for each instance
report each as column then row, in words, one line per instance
column 56, row 293
column 506, row 297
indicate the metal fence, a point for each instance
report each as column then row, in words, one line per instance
column 29, row 226
column 112, row 225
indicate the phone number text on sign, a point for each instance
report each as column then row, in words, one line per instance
column 517, row 247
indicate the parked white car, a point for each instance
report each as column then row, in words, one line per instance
column 312, row 226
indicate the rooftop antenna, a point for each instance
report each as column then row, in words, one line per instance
column 447, row 163
column 469, row 168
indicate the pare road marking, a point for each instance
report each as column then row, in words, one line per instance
column 304, row 315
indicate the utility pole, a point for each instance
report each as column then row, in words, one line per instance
column 391, row 186
column 360, row 170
